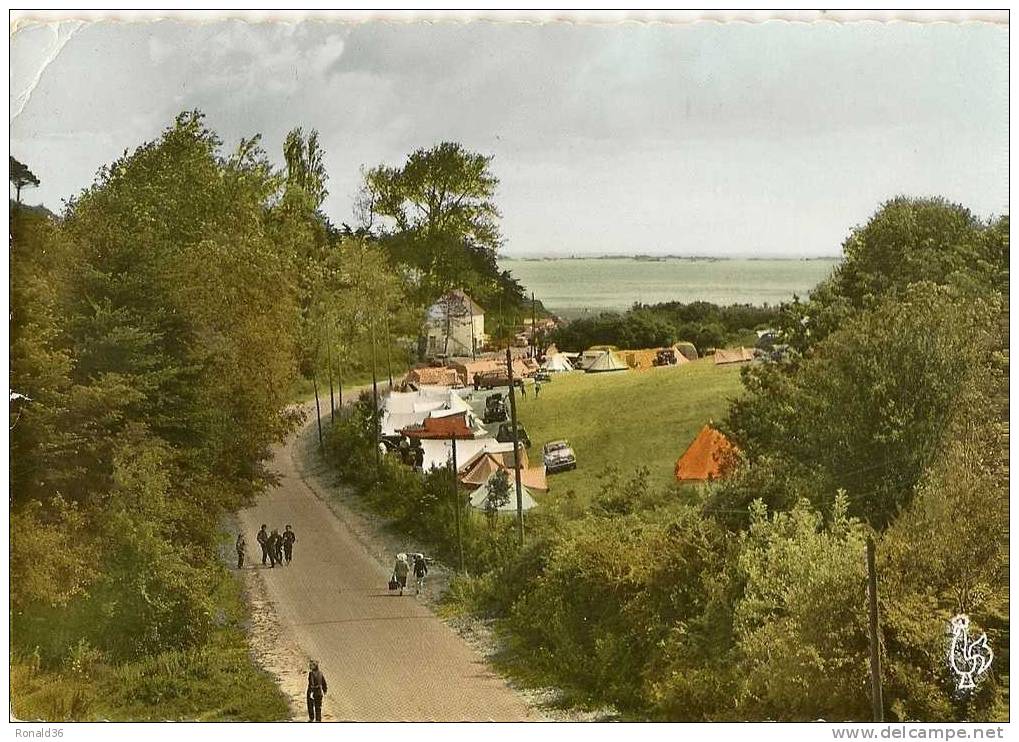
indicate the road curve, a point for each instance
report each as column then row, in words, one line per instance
column 386, row 657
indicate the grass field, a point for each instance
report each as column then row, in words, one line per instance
column 627, row 419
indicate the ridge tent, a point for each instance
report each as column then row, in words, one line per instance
column 557, row 363
column 606, row 362
column 733, row 355
column 479, row 498
column 704, row 458
column 686, row 349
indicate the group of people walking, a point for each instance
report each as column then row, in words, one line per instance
column 277, row 548
column 402, row 569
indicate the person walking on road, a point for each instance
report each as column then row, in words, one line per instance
column 400, row 570
column 316, row 689
column 420, row 570
column 274, row 546
column 241, row 546
column 289, row 538
column 537, row 388
column 263, row 540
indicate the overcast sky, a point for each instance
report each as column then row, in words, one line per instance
column 707, row 139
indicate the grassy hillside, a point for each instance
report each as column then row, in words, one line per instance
column 627, row 419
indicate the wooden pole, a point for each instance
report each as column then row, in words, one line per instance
column 875, row 649
column 516, row 448
column 332, row 400
column 456, row 506
column 375, row 410
column 534, row 329
column 389, row 357
column 318, row 410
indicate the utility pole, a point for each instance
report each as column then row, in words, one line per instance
column 456, row 504
column 516, row 449
column 875, row 649
column 375, row 410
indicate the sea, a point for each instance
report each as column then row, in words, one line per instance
column 574, row 287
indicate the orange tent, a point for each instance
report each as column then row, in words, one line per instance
column 436, row 428
column 704, row 458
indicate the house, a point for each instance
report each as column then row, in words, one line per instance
column 455, row 326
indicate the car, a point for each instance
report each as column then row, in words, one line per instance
column 495, row 409
column 543, row 376
column 558, row 456
column 505, row 434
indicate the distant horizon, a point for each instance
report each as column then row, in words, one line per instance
column 537, row 255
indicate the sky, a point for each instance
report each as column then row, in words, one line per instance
column 723, row 139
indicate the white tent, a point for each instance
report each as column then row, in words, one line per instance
column 479, row 498
column 607, row 361
column 557, row 362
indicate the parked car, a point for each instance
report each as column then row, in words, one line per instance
column 558, row 456
column 666, row 357
column 505, row 434
column 495, row 409
column 543, row 376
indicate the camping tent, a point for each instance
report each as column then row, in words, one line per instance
column 556, row 363
column 486, row 463
column 733, row 355
column 687, row 349
column 704, row 458
column 607, row 361
column 479, row 498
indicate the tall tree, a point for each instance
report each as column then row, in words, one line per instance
column 436, row 214
column 21, row 177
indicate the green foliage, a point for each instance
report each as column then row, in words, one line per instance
column 436, row 216
column 214, row 682
column 651, row 326
column 155, row 333
column 21, row 176
column 867, row 410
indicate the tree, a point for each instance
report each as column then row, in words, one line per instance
column 437, row 215
column 21, row 177
column 498, row 495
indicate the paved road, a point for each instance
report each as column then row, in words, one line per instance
column 386, row 658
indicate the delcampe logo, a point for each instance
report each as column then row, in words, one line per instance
column 969, row 659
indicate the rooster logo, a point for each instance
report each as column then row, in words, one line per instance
column 969, row 660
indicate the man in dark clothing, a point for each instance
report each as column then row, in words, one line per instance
column 263, row 540
column 275, row 542
column 289, row 537
column 241, row 546
column 477, row 381
column 420, row 570
column 316, row 689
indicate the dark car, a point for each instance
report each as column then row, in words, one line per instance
column 558, row 456
column 505, row 434
column 495, row 409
